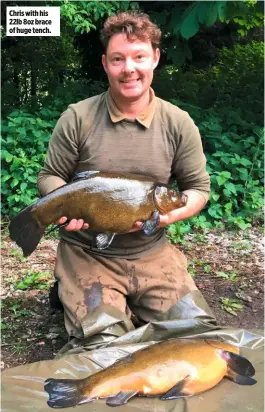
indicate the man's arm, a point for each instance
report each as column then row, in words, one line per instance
column 60, row 162
column 189, row 169
column 195, row 203
column 62, row 154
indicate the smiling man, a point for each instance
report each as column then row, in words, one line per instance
column 127, row 129
column 129, row 64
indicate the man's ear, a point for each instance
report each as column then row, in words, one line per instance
column 156, row 57
column 103, row 60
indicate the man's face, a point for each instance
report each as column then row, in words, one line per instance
column 129, row 66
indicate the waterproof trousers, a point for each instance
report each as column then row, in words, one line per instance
column 144, row 289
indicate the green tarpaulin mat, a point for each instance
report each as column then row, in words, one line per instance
column 109, row 336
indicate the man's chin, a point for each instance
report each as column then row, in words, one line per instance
column 131, row 93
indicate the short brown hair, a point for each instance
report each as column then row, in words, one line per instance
column 134, row 25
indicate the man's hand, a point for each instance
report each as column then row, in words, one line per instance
column 194, row 205
column 74, row 224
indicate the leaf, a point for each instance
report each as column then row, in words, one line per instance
column 215, row 196
column 202, row 11
column 5, row 178
column 231, row 188
column 221, row 180
column 245, row 162
column 21, row 130
column 32, row 179
column 14, row 183
column 230, row 310
column 215, row 211
column 212, row 13
column 226, row 174
column 7, row 156
column 23, row 186
column 242, row 225
column 190, row 25
column 222, row 10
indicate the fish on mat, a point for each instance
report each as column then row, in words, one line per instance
column 110, row 202
column 169, row 370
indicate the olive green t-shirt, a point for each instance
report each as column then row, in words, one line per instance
column 162, row 142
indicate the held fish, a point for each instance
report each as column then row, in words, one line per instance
column 169, row 370
column 110, row 202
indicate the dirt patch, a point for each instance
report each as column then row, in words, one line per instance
column 227, row 268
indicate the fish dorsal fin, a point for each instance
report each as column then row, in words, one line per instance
column 177, row 391
column 238, row 364
column 84, row 175
column 121, row 398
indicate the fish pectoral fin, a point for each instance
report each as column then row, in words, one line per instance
column 84, row 175
column 121, row 398
column 177, row 391
column 103, row 240
column 57, row 227
column 238, row 364
column 150, row 225
column 240, row 380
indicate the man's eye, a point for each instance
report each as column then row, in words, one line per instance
column 139, row 57
column 116, row 59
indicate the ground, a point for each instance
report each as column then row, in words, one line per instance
column 227, row 268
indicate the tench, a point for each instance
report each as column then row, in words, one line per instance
column 110, row 203
column 170, row 369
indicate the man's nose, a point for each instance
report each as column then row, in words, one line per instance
column 129, row 65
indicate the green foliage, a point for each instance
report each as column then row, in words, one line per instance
column 183, row 21
column 18, row 254
column 220, row 101
column 24, row 144
column 228, row 276
column 231, row 306
column 235, row 81
column 3, row 326
column 25, row 137
column 18, row 312
column 84, row 15
column 36, row 280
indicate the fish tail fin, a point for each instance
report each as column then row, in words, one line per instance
column 64, row 393
column 26, row 231
column 238, row 364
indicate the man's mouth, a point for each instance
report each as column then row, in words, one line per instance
column 130, row 80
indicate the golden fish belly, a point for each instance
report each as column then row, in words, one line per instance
column 152, row 381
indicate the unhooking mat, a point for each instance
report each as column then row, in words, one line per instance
column 109, row 336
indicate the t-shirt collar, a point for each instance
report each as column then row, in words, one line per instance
column 145, row 118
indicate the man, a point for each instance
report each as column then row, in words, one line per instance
column 126, row 129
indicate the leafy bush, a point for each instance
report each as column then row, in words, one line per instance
column 236, row 82
column 24, row 144
column 235, row 162
column 25, row 137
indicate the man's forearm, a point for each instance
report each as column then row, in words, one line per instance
column 195, row 204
